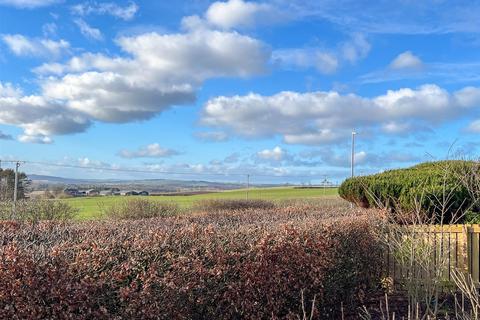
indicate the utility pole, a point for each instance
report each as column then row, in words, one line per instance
column 353, row 153
column 15, row 190
column 353, row 158
column 325, row 185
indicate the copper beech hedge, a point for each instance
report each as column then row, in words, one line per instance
column 244, row 264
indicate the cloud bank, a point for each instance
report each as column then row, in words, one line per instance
column 317, row 118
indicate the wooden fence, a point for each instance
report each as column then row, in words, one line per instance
column 422, row 251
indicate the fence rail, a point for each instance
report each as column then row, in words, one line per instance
column 438, row 249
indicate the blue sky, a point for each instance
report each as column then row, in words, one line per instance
column 271, row 88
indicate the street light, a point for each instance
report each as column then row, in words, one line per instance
column 353, row 152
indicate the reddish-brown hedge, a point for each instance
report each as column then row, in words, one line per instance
column 248, row 264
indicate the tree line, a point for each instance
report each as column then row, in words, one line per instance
column 7, row 184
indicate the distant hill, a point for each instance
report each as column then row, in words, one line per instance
column 42, row 182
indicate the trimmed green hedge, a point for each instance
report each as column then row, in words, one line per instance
column 428, row 186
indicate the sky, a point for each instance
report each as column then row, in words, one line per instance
column 216, row 90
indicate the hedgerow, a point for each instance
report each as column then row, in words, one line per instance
column 244, row 264
column 35, row 210
column 440, row 189
column 141, row 209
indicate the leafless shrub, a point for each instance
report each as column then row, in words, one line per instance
column 35, row 210
column 232, row 204
column 141, row 209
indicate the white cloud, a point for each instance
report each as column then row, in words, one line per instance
column 151, row 151
column 49, row 29
column 88, row 31
column 406, row 60
column 236, row 13
column 390, row 17
column 325, row 61
column 438, row 72
column 24, row 46
column 330, row 157
column 356, row 48
column 39, row 139
column 276, row 154
column 126, row 12
column 327, row 117
column 40, row 118
column 216, row 136
column 396, row 127
column 96, row 87
column 474, row 126
column 8, row 90
column 28, row 4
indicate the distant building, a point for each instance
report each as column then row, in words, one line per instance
column 92, row 192
column 105, row 193
column 110, row 192
column 74, row 192
column 129, row 193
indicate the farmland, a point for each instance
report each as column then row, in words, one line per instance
column 91, row 207
column 279, row 253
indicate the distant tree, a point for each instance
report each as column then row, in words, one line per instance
column 7, row 184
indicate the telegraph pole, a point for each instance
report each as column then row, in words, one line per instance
column 353, row 158
column 353, row 153
column 15, row 190
column 325, row 185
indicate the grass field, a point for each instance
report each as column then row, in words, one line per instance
column 92, row 207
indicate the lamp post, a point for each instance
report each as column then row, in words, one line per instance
column 353, row 152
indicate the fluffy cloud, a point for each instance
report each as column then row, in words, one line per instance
column 49, row 29
column 406, row 60
column 236, row 13
column 328, row 117
column 276, row 154
column 40, row 118
column 23, row 46
column 35, row 139
column 216, row 136
column 112, row 89
column 8, row 90
column 96, row 87
column 474, row 126
column 88, row 31
column 325, row 61
column 356, row 49
column 151, row 151
column 332, row 158
column 126, row 12
column 29, row 4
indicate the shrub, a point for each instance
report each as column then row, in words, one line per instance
column 201, row 267
column 439, row 189
column 232, row 204
column 34, row 210
column 141, row 209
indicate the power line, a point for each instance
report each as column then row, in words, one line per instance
column 128, row 170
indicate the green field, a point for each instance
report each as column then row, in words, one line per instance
column 92, row 207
